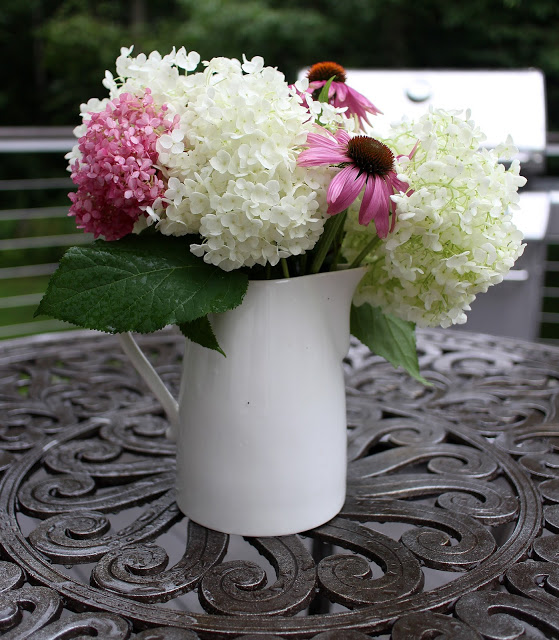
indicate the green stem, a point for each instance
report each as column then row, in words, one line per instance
column 304, row 264
column 284, row 268
column 268, row 271
column 331, row 228
column 367, row 249
column 339, row 241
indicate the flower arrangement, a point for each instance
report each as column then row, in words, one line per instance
column 197, row 181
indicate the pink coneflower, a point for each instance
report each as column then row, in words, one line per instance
column 340, row 94
column 364, row 162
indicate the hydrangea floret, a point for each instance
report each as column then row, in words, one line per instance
column 454, row 236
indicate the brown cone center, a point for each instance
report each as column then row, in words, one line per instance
column 370, row 156
column 325, row 70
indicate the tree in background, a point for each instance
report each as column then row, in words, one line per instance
column 56, row 51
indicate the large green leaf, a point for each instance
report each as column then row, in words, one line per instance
column 387, row 336
column 139, row 283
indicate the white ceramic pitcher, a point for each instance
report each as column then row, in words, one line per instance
column 261, row 433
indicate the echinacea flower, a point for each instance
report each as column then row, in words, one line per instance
column 364, row 162
column 340, row 94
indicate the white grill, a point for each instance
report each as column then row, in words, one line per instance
column 501, row 102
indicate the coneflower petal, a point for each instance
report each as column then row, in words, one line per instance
column 398, row 185
column 341, row 90
column 344, row 189
column 375, row 205
column 323, row 150
column 365, row 213
column 342, row 136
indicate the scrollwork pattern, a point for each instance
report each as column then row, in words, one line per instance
column 84, row 536
column 44, row 603
column 239, row 587
column 440, row 458
column 348, row 579
column 418, row 626
column 70, row 493
column 104, row 625
column 444, row 482
column 542, row 466
column 536, row 580
column 140, row 571
column 102, row 459
column 368, row 428
column 11, row 576
column 140, row 433
column 487, row 503
column 479, row 609
column 547, row 548
column 432, row 541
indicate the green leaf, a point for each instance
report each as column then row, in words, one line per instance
column 201, row 332
column 139, row 283
column 323, row 95
column 388, row 337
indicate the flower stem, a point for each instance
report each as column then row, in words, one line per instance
column 367, row 249
column 338, row 249
column 284, row 268
column 331, row 228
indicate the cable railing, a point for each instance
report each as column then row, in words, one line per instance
column 32, row 238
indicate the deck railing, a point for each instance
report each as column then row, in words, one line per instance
column 34, row 236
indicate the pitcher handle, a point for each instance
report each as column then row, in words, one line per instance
column 153, row 381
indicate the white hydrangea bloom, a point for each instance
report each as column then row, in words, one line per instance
column 162, row 74
column 454, row 236
column 236, row 181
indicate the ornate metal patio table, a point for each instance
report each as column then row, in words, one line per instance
column 450, row 529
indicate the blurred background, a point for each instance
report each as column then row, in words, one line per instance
column 55, row 54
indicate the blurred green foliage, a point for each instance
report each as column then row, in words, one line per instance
column 55, row 54
column 56, row 51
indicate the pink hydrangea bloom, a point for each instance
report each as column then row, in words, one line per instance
column 364, row 162
column 116, row 176
column 340, row 94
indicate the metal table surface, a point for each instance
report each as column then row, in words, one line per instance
column 450, row 529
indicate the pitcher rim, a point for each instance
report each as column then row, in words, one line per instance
column 279, row 281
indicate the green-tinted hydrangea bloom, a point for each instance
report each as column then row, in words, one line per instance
column 454, row 236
